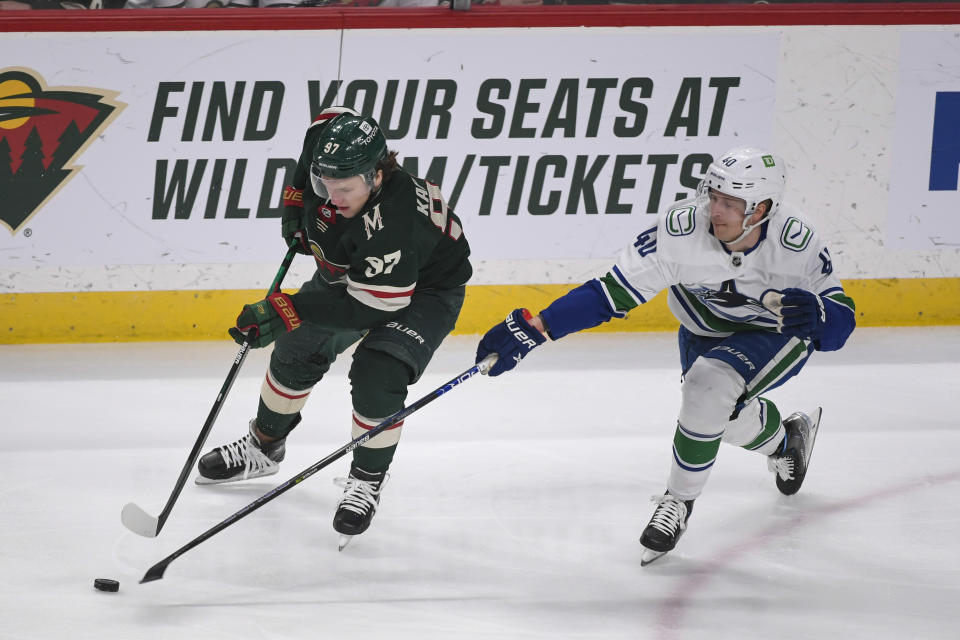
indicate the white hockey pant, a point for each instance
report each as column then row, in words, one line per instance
column 711, row 389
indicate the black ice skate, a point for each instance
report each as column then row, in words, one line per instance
column 668, row 523
column 361, row 495
column 241, row 460
column 791, row 463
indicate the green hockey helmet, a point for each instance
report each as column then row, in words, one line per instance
column 350, row 145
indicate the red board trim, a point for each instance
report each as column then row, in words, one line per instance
column 933, row 13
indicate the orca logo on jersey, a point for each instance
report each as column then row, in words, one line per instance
column 41, row 132
column 731, row 300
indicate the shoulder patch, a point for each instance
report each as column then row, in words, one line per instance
column 796, row 235
column 681, row 221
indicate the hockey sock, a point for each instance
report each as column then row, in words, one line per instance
column 374, row 460
column 273, row 424
column 770, row 416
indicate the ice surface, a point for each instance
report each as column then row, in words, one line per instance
column 513, row 511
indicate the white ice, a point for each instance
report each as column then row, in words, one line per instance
column 513, row 511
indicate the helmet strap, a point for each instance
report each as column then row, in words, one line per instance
column 747, row 228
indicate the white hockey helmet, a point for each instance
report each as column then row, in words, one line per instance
column 751, row 174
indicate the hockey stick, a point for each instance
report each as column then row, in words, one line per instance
column 156, row 571
column 139, row 521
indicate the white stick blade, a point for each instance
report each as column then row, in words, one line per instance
column 139, row 521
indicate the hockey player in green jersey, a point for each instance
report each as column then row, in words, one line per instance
column 392, row 262
column 754, row 290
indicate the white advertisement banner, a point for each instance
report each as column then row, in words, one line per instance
column 173, row 148
column 924, row 211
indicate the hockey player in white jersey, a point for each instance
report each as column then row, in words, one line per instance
column 753, row 288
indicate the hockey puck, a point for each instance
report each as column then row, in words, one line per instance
column 106, row 584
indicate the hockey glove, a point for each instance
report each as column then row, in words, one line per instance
column 291, row 223
column 803, row 314
column 263, row 322
column 511, row 340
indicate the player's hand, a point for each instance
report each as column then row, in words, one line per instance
column 263, row 322
column 511, row 340
column 803, row 314
column 291, row 222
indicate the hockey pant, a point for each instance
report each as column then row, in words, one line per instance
column 722, row 382
column 388, row 359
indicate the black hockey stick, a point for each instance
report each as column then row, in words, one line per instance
column 139, row 521
column 156, row 571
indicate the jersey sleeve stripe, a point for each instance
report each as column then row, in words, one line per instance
column 626, row 285
column 678, row 296
column 841, row 299
column 608, row 298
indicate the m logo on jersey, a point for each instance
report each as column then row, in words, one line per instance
column 372, row 221
column 41, row 132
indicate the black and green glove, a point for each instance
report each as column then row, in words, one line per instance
column 291, row 223
column 263, row 322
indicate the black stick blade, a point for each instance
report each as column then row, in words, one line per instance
column 155, row 572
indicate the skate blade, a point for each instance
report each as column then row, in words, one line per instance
column 202, row 480
column 343, row 542
column 649, row 555
column 815, row 416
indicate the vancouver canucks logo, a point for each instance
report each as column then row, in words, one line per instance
column 730, row 304
column 41, row 131
column 731, row 300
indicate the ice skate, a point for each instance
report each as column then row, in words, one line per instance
column 241, row 460
column 361, row 495
column 791, row 463
column 668, row 523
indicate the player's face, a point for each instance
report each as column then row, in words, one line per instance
column 348, row 194
column 726, row 214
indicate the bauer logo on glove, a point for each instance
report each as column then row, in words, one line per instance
column 522, row 336
column 511, row 340
column 262, row 322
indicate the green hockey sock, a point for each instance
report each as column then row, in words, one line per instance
column 273, row 424
column 374, row 460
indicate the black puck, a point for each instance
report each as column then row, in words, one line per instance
column 106, row 584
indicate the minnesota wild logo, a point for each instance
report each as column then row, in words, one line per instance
column 41, row 132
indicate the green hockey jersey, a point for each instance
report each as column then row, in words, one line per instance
column 405, row 239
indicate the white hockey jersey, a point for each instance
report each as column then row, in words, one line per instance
column 713, row 291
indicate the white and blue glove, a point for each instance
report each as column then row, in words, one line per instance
column 511, row 340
